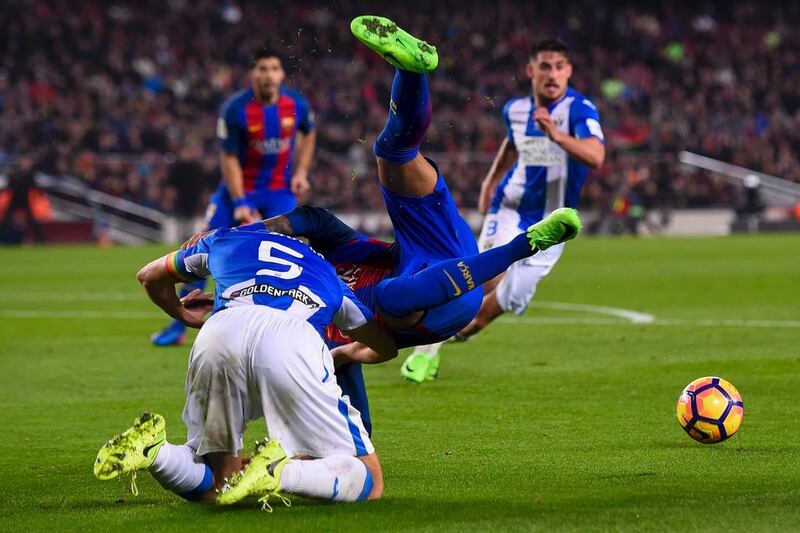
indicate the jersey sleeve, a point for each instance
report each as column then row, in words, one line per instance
column 585, row 120
column 306, row 118
column 228, row 129
column 352, row 314
column 507, row 121
column 190, row 264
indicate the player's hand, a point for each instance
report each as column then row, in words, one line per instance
column 194, row 239
column 246, row 215
column 194, row 307
column 300, row 184
column 343, row 354
column 542, row 117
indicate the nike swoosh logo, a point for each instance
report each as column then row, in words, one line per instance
column 148, row 448
column 455, row 285
column 271, row 467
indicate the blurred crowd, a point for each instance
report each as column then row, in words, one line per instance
column 120, row 94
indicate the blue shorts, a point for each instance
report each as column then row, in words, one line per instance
column 428, row 230
column 219, row 213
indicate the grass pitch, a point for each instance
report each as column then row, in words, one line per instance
column 560, row 420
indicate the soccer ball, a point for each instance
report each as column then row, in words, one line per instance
column 710, row 410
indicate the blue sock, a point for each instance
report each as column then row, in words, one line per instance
column 409, row 117
column 445, row 281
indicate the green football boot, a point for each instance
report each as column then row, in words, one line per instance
column 261, row 477
column 559, row 226
column 419, row 367
column 132, row 450
column 396, row 46
column 433, row 368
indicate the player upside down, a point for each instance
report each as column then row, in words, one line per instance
column 415, row 305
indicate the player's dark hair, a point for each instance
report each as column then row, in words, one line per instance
column 550, row 45
column 264, row 52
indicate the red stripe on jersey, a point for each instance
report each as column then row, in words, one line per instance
column 287, row 125
column 254, row 156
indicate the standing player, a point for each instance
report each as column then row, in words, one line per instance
column 554, row 137
column 258, row 130
column 260, row 354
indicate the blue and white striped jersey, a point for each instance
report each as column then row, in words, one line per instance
column 544, row 177
column 258, row 267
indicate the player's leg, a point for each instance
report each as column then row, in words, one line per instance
column 450, row 279
column 219, row 214
column 401, row 168
column 514, row 291
column 215, row 413
column 424, row 362
column 318, row 445
column 144, row 447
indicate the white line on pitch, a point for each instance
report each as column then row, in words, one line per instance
column 633, row 316
column 734, row 323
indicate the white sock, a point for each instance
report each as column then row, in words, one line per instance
column 428, row 349
column 339, row 478
column 180, row 470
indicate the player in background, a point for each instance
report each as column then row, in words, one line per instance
column 267, row 139
column 260, row 354
column 554, row 138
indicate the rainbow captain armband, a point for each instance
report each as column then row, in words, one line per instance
column 174, row 264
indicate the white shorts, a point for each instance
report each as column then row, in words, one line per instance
column 253, row 361
column 517, row 287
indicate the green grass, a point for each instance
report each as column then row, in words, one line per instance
column 531, row 426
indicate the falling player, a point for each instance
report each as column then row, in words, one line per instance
column 260, row 353
column 420, row 287
column 554, row 137
column 259, row 130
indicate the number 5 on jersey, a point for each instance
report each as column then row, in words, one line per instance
column 266, row 253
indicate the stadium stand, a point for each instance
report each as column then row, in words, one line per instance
column 111, row 93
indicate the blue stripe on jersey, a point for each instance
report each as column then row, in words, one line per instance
column 272, row 133
column 358, row 442
column 531, row 206
column 576, row 177
column 500, row 191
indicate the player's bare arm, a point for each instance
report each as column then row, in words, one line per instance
column 590, row 151
column 373, row 345
column 232, row 174
column 503, row 161
column 306, row 143
column 160, row 287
